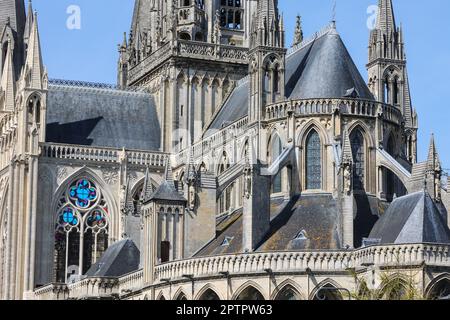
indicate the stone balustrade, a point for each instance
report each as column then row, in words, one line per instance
column 219, row 138
column 131, row 282
column 352, row 107
column 108, row 155
column 54, row 291
column 316, row 261
column 188, row 49
column 331, row 261
column 93, row 288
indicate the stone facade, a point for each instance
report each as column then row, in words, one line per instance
column 240, row 169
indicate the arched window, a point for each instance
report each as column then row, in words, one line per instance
column 440, row 291
column 81, row 230
column 275, row 152
column 396, row 93
column 359, row 159
column 225, row 198
column 313, row 163
column 209, row 295
column 185, row 36
column 288, row 293
column 250, row 293
column 328, row 292
column 386, row 92
column 181, row 297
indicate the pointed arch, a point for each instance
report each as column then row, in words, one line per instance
column 313, row 161
column 249, row 291
column 331, row 294
column 179, row 295
column 275, row 148
column 395, row 287
column 208, row 292
column 312, row 124
column 161, row 297
column 82, row 223
column 439, row 288
column 106, row 191
column 287, row 290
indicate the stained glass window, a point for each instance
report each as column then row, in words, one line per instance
column 313, row 161
column 357, row 142
column 81, row 226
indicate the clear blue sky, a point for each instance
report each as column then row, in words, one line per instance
column 90, row 53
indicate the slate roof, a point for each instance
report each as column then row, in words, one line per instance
column 119, row 259
column 84, row 115
column 316, row 215
column 412, row 219
column 167, row 191
column 320, row 68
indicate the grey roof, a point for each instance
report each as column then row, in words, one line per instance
column 324, row 69
column 317, row 216
column 85, row 115
column 167, row 191
column 320, row 68
column 412, row 219
column 119, row 259
column 234, row 109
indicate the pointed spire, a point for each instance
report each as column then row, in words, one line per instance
column 433, row 162
column 147, row 190
column 347, row 155
column 29, row 23
column 168, row 175
column 386, row 19
column 298, row 34
column 8, row 81
column 34, row 66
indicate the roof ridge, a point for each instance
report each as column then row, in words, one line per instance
column 93, row 85
column 325, row 30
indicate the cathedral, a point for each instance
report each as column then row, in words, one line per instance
column 223, row 165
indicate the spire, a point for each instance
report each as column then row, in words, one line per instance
column 8, row 82
column 33, row 65
column 347, row 155
column 29, row 23
column 298, row 34
column 267, row 31
column 433, row 162
column 14, row 12
column 386, row 19
column 147, row 190
column 168, row 175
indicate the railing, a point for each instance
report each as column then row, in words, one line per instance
column 93, row 287
column 205, row 50
column 354, row 107
column 256, row 263
column 221, row 137
column 109, row 155
column 131, row 282
column 331, row 261
column 53, row 291
column 187, row 48
column 150, row 62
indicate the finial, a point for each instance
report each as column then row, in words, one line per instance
column 298, row 34
column 333, row 14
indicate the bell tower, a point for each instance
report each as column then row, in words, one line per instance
column 388, row 76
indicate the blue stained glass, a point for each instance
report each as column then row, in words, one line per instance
column 96, row 219
column 83, row 193
column 68, row 217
